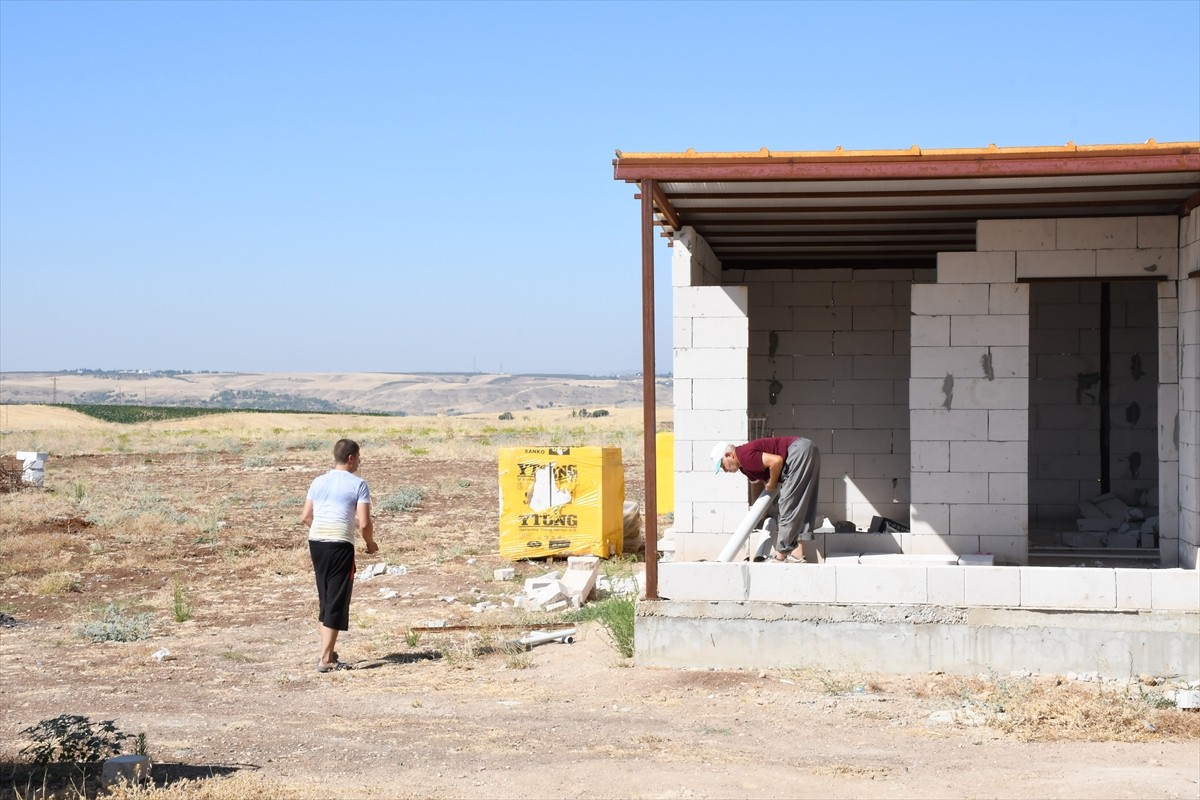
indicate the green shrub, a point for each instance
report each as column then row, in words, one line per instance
column 182, row 604
column 72, row 739
column 115, row 625
column 404, row 499
column 615, row 613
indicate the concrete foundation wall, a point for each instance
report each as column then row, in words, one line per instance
column 910, row 616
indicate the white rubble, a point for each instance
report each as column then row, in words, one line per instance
column 130, row 769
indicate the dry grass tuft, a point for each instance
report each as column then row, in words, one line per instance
column 238, row 786
column 60, row 583
column 10, row 475
column 1049, row 709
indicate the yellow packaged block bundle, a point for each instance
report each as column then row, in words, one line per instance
column 561, row 501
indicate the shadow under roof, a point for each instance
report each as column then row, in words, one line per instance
column 899, row 208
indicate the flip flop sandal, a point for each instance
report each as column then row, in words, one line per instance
column 334, row 667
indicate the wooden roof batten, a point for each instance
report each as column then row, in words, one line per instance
column 835, row 193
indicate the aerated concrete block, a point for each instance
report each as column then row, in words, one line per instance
column 792, row 583
column 1158, row 231
column 881, row 584
column 1056, row 587
column 993, row 586
column 1056, row 264
column 711, row 581
column 1133, row 588
column 978, row 267
column 947, row 585
column 936, row 300
column 1015, row 234
column 1175, row 590
column 1158, row 262
column 1097, row 233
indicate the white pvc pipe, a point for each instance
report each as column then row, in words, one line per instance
column 541, row 637
column 756, row 512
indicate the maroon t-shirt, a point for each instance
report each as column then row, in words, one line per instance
column 750, row 455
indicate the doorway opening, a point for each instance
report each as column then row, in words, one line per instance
column 1093, row 420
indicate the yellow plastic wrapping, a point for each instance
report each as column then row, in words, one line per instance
column 664, row 472
column 561, row 501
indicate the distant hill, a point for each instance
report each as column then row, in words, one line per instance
column 387, row 392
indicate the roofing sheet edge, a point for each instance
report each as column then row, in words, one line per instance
column 915, row 152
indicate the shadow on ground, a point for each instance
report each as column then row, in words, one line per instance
column 398, row 658
column 24, row 781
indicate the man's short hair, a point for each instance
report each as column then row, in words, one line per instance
column 343, row 449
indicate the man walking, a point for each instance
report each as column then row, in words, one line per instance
column 338, row 503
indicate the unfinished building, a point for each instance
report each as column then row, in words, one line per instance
column 997, row 349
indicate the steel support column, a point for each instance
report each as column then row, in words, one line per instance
column 649, row 393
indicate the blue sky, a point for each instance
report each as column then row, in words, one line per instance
column 428, row 186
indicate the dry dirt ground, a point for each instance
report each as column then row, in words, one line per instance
column 450, row 714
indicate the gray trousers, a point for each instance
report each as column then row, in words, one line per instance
column 795, row 509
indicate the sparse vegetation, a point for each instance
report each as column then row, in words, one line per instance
column 116, row 625
column 615, row 613
column 60, row 583
column 169, row 516
column 181, row 604
column 404, row 499
column 72, row 739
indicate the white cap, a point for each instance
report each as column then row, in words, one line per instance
column 718, row 454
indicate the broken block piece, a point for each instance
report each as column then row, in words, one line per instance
column 1089, row 511
column 1112, row 506
column 504, row 574
column 129, row 769
column 1123, row 541
column 1072, row 539
column 579, row 579
column 533, row 584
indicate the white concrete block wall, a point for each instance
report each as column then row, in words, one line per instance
column 819, row 342
column 1135, row 405
column 1188, row 360
column 957, row 450
column 831, row 347
column 693, row 262
column 710, row 370
column 1064, row 459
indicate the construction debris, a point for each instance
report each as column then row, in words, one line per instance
column 1108, row 521
column 556, row 591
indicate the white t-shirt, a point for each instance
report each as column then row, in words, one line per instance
column 335, row 497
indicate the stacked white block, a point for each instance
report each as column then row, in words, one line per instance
column 710, row 369
column 968, row 401
column 33, row 467
column 849, row 583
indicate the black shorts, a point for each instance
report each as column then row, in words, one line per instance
column 333, row 563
